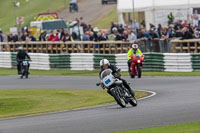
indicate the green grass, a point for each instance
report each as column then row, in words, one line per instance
column 27, row 9
column 105, row 21
column 33, row 101
column 180, row 128
column 66, row 72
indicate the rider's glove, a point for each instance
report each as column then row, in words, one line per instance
column 102, row 85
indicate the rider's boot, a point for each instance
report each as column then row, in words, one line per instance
column 128, row 87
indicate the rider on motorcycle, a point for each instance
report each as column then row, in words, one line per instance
column 104, row 64
column 134, row 51
column 21, row 55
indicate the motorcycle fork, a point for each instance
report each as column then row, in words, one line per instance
column 133, row 69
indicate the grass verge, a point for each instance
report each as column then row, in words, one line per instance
column 33, row 101
column 66, row 72
column 180, row 128
column 105, row 21
column 28, row 9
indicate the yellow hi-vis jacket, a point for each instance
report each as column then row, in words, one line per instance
column 131, row 53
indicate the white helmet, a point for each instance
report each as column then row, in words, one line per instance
column 135, row 46
column 20, row 48
column 104, row 62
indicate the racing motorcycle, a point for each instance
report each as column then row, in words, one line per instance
column 24, row 68
column 121, row 95
column 136, row 66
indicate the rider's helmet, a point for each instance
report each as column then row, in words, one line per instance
column 20, row 48
column 135, row 46
column 104, row 62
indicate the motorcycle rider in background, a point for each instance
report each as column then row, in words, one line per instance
column 134, row 51
column 105, row 64
column 21, row 55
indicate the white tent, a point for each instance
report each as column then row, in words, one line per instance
column 154, row 9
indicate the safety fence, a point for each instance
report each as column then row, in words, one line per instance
column 169, row 62
column 186, row 46
column 103, row 47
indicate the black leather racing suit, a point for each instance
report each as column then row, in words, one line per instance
column 114, row 71
column 21, row 55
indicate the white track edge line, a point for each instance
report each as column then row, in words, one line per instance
column 77, row 109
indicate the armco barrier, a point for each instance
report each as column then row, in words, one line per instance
column 178, row 62
column 39, row 61
column 82, row 61
column 121, row 61
column 153, row 62
column 195, row 62
column 169, row 62
column 60, row 61
column 5, row 60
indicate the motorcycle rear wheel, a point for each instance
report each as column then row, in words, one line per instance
column 27, row 75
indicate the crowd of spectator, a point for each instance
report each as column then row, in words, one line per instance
column 130, row 32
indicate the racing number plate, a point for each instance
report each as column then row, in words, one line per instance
column 107, row 81
column 25, row 63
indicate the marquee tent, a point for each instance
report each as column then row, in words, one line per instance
column 153, row 8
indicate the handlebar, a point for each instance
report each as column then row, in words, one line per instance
column 25, row 60
column 98, row 84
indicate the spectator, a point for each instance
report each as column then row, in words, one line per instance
column 135, row 26
column 104, row 35
column 170, row 18
column 51, row 36
column 153, row 33
column 86, row 36
column 131, row 36
column 178, row 32
column 159, row 29
column 178, row 25
column 10, row 38
column 197, row 32
column 1, row 36
column 171, row 31
column 143, row 35
column 56, row 37
column 191, row 29
column 118, row 36
column 42, row 36
column 31, row 38
column 165, row 33
column 99, row 37
column 186, row 34
column 185, row 24
column 195, row 18
column 125, row 35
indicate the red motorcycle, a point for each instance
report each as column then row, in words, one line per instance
column 136, row 66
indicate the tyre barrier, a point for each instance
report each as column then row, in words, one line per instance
column 168, row 62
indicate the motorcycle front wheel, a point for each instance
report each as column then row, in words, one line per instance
column 139, row 71
column 133, row 101
column 117, row 96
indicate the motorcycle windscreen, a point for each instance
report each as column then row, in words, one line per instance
column 106, row 73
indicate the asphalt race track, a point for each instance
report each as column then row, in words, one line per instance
column 177, row 101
